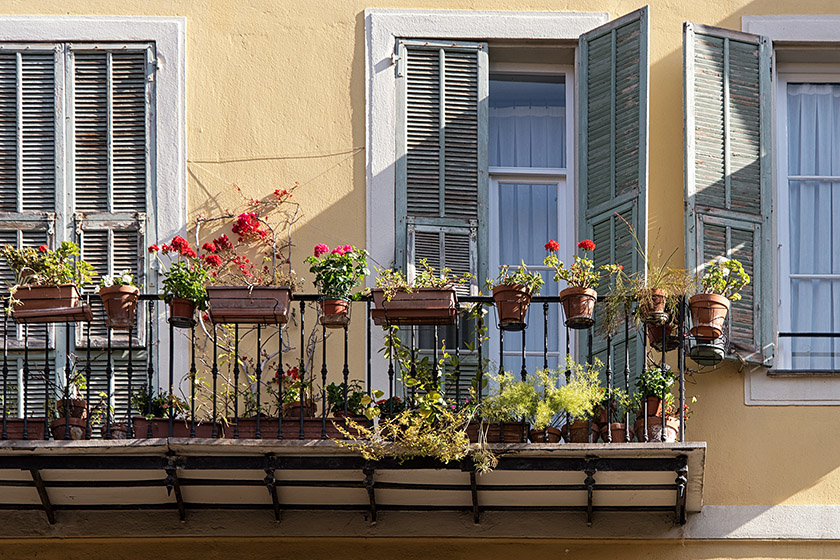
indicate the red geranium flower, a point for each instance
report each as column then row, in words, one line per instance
column 153, row 248
column 587, row 245
column 321, row 249
column 552, row 245
column 43, row 248
column 210, row 247
column 213, row 260
column 179, row 243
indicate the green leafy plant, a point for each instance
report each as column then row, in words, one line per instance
column 355, row 395
column 655, row 382
column 725, row 277
column 392, row 281
column 533, row 281
column 338, row 271
column 186, row 276
column 161, row 404
column 45, row 267
column 582, row 273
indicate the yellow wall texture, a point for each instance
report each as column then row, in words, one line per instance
column 419, row 549
column 275, row 94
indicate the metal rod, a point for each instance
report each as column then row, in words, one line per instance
column 109, row 376
column 662, row 366
column 545, row 334
column 5, row 432
column 192, row 382
column 457, row 372
column 67, row 383
column 323, row 383
column 171, row 408
column 150, row 371
column 681, row 365
column 627, row 371
column 369, row 355
column 479, row 330
column 236, row 382
column 346, row 370
column 302, row 373
column 258, row 375
column 523, row 372
column 25, row 381
column 215, row 374
column 280, row 375
column 130, row 371
column 609, row 388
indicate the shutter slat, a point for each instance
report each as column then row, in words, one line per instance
column 91, row 131
column 38, row 134
column 129, row 134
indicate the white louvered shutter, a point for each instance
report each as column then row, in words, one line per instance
column 442, row 155
column 613, row 158
column 727, row 171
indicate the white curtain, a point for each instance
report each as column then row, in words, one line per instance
column 814, row 220
column 527, row 136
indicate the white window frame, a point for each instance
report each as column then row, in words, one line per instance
column 382, row 29
column 799, row 389
column 168, row 158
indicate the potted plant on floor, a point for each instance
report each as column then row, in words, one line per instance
column 119, row 298
column 720, row 283
column 155, row 411
column 429, row 299
column 612, row 416
column 582, row 278
column 297, row 395
column 337, row 272
column 183, row 282
column 47, row 284
column 72, row 410
column 512, row 294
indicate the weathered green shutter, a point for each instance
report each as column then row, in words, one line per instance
column 441, row 166
column 613, row 159
column 727, row 171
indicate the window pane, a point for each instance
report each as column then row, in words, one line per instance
column 527, row 121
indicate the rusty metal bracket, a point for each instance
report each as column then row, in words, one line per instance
column 42, row 493
column 682, row 482
column 171, row 482
column 271, row 484
column 589, row 481
column 474, row 491
column 368, row 470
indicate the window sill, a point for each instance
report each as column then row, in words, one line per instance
column 797, row 373
column 763, row 387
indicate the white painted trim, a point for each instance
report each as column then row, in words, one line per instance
column 170, row 157
column 789, row 27
column 382, row 28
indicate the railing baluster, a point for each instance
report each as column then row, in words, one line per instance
column 67, row 383
column 435, row 373
column 591, row 360
column 192, row 382
column 215, row 373
column 480, row 375
column 664, row 390
column 324, row 383
column 369, row 355
column 391, row 371
column 258, row 374
column 280, row 374
column 609, row 387
column 346, row 369
column 681, row 365
column 501, row 371
column 626, row 372
column 109, row 375
column 545, row 334
column 302, row 372
column 457, row 372
column 88, row 375
column 413, row 367
column 25, row 381
column 236, row 382
column 47, row 376
column 150, row 369
column 568, row 374
column 171, row 408
column 5, row 433
column 130, row 370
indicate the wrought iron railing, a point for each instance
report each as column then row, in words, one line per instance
column 207, row 403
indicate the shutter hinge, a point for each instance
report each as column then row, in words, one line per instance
column 397, row 61
column 769, row 352
column 151, row 64
column 79, row 219
column 50, row 224
column 141, row 223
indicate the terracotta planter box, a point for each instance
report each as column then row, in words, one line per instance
column 35, row 428
column 424, row 306
column 654, row 430
column 78, row 428
column 548, row 435
column 579, row 431
column 180, row 428
column 514, row 432
column 50, row 304
column 120, row 303
column 708, row 315
column 334, row 313
column 512, row 301
column 292, row 409
column 265, row 305
column 313, row 428
column 579, row 307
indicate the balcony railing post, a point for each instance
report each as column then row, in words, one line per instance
column 568, row 374
column 435, row 372
column 480, row 330
column 236, row 382
column 457, row 372
column 609, row 388
column 47, row 378
column 279, row 376
column 501, row 372
column 88, row 373
column 109, row 375
column 302, row 372
column 391, row 370
column 590, row 361
column 67, row 383
column 662, row 366
column 369, row 354
column 258, row 375
column 545, row 334
column 130, row 371
column 192, row 382
column 171, row 401
column 215, row 373
column 25, row 381
column 346, row 369
column 681, row 365
column 324, row 382
column 523, row 371
column 5, row 432
column 413, row 367
column 150, row 370
column 627, row 371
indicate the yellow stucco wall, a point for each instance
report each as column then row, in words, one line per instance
column 278, row 86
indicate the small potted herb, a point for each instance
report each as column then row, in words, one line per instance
column 721, row 282
column 582, row 278
column 337, row 273
column 346, row 399
column 183, row 282
column 427, row 300
column 512, row 294
column 48, row 284
column 119, row 298
column 155, row 411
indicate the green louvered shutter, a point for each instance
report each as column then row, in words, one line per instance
column 441, row 166
column 613, row 158
column 112, row 93
column 727, row 171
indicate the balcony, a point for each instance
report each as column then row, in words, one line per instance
column 219, row 453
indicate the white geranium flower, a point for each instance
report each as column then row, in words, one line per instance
column 126, row 278
column 107, row 281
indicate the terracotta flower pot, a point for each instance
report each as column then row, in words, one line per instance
column 510, row 432
column 654, row 406
column 292, row 409
column 618, row 431
column 512, row 301
column 578, row 432
column 181, row 312
column 34, row 428
column 119, row 430
column 654, row 334
column 267, row 305
column 424, row 306
column 579, row 307
column 654, row 431
column 78, row 408
column 120, row 303
column 334, row 313
column 708, row 315
column 78, row 428
column 548, row 435
column 653, row 308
